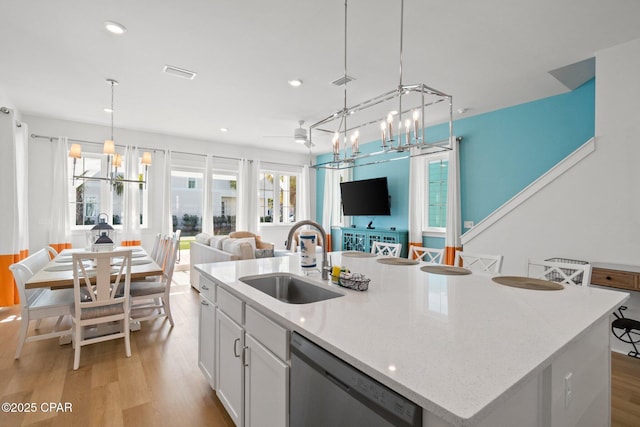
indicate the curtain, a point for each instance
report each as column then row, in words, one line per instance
column 166, row 222
column 330, row 201
column 452, row 236
column 14, row 215
column 417, row 193
column 207, row 198
column 247, row 213
column 60, row 223
column 131, row 199
column 304, row 210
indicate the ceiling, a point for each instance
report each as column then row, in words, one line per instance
column 487, row 54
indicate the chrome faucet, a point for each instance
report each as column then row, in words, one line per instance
column 325, row 256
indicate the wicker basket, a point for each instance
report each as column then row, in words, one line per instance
column 556, row 277
column 358, row 283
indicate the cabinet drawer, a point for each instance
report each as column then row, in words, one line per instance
column 230, row 305
column 270, row 334
column 614, row 278
column 207, row 289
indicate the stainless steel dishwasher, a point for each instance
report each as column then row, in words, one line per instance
column 326, row 391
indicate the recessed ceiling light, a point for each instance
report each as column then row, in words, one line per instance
column 224, row 129
column 295, row 82
column 108, row 110
column 115, row 27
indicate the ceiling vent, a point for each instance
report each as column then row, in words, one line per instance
column 179, row 72
column 343, row 80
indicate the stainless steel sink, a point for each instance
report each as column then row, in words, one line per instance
column 290, row 288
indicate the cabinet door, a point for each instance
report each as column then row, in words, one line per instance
column 266, row 387
column 206, row 342
column 229, row 373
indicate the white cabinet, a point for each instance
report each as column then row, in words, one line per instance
column 266, row 384
column 229, row 359
column 248, row 369
column 206, row 341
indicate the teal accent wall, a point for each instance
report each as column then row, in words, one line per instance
column 502, row 152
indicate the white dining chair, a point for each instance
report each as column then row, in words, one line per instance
column 561, row 272
column 151, row 299
column 431, row 255
column 388, row 249
column 39, row 304
column 479, row 262
column 96, row 297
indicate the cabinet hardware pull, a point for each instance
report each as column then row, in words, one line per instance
column 608, row 277
column 204, row 287
column 235, row 351
column 244, row 356
column 203, row 303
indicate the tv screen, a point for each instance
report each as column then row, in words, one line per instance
column 365, row 197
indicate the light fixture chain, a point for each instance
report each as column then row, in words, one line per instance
column 112, row 84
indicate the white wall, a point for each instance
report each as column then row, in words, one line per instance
column 40, row 169
column 592, row 212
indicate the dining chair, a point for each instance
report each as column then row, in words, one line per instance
column 96, row 300
column 561, row 272
column 156, row 246
column 389, row 249
column 38, row 304
column 431, row 255
column 479, row 262
column 151, row 300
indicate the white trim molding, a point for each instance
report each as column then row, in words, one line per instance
column 548, row 177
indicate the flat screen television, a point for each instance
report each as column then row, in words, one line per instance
column 365, row 197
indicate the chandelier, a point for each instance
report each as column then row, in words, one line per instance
column 114, row 160
column 396, row 117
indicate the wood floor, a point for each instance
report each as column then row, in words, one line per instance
column 160, row 384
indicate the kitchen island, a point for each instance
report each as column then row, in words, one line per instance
column 469, row 351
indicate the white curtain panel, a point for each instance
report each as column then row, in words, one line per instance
column 452, row 236
column 207, row 198
column 304, row 210
column 417, row 194
column 14, row 225
column 328, row 199
column 131, row 202
column 247, row 212
column 60, row 219
column 166, row 222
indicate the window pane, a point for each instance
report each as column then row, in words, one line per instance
column 438, row 175
column 287, row 198
column 265, row 195
column 224, row 198
column 186, row 201
column 86, row 194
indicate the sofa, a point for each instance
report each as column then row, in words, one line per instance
column 235, row 246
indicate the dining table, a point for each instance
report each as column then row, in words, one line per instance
column 58, row 272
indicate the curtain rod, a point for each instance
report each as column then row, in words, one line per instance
column 51, row 138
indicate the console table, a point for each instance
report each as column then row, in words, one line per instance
column 361, row 239
column 619, row 276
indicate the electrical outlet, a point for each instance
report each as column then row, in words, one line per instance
column 568, row 389
column 468, row 224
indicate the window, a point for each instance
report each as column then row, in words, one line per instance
column 224, row 198
column 277, row 197
column 437, row 177
column 89, row 198
column 186, row 201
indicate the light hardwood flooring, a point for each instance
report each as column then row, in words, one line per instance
column 161, row 384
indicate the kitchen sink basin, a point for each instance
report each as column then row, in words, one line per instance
column 289, row 288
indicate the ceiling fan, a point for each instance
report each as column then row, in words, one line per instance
column 300, row 135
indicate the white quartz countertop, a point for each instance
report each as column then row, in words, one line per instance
column 455, row 345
